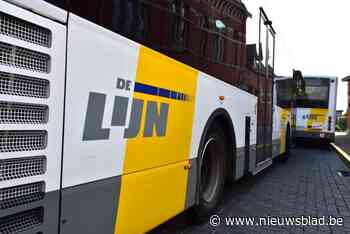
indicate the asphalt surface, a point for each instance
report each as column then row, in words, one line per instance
column 308, row 184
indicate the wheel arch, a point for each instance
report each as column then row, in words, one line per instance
column 223, row 117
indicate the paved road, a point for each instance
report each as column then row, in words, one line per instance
column 343, row 141
column 307, row 184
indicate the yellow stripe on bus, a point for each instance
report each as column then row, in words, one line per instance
column 150, row 197
column 318, row 117
column 284, row 117
column 158, row 188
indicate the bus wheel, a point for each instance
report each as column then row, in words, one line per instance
column 212, row 173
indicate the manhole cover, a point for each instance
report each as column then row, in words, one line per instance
column 344, row 173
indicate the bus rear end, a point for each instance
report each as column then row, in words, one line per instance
column 316, row 109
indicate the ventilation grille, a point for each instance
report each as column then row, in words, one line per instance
column 17, row 113
column 24, row 58
column 22, row 167
column 20, row 195
column 20, row 29
column 13, row 84
column 22, row 221
column 13, row 141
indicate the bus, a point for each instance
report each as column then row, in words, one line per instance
column 284, row 90
column 117, row 115
column 316, row 108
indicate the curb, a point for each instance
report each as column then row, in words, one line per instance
column 342, row 154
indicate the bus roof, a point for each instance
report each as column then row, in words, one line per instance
column 320, row 77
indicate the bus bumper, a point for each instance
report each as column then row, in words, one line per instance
column 330, row 136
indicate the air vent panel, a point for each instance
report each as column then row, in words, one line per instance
column 22, row 221
column 23, row 30
column 24, row 58
column 14, row 141
column 20, row 195
column 18, row 113
column 13, row 84
column 22, row 167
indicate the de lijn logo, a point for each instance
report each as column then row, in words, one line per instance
column 155, row 118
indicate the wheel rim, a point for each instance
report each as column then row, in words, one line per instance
column 209, row 171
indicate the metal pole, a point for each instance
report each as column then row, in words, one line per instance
column 259, row 91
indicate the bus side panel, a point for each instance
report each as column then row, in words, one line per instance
column 96, row 59
column 177, row 81
column 155, row 182
column 284, row 119
column 129, row 116
column 94, row 149
column 238, row 104
column 276, row 131
column 134, row 119
column 333, row 103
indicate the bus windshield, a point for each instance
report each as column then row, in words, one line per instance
column 285, row 92
column 315, row 94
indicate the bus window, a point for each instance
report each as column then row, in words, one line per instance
column 315, row 94
column 285, row 93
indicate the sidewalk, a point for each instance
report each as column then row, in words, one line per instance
column 342, row 146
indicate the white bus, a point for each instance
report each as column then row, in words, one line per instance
column 316, row 108
column 117, row 115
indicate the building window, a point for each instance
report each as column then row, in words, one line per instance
column 178, row 10
column 144, row 20
column 128, row 18
column 204, row 25
column 219, row 41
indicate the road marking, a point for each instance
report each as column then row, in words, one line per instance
column 344, row 156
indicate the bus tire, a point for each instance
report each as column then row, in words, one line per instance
column 211, row 173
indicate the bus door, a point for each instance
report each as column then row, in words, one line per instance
column 265, row 84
